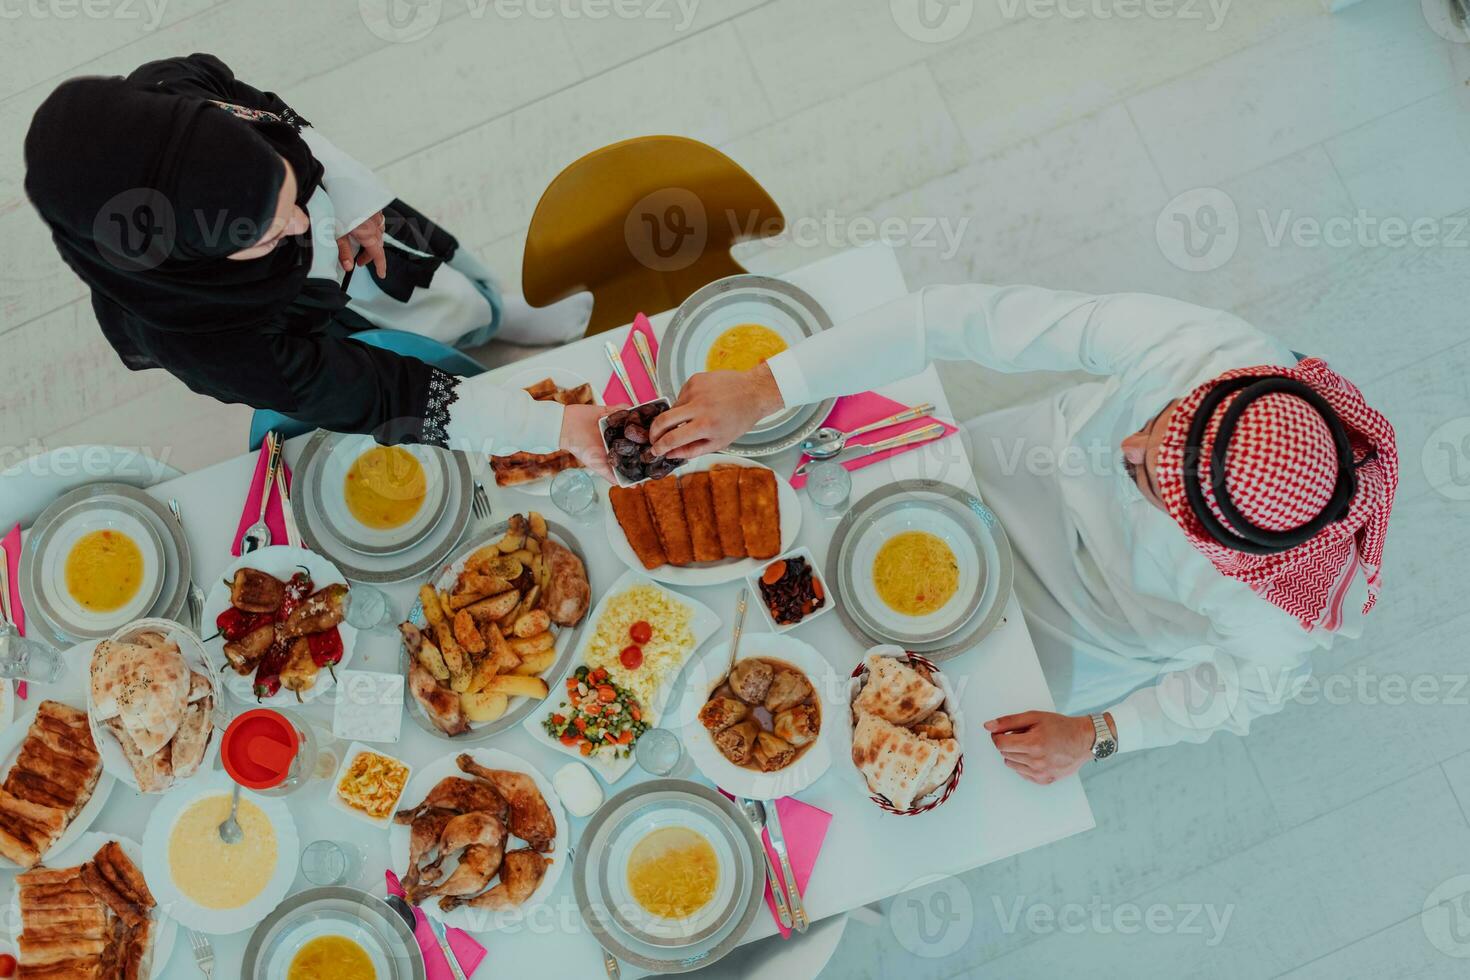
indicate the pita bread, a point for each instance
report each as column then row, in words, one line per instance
column 944, row 763
column 897, row 693
column 192, row 738
column 145, row 685
column 896, row 763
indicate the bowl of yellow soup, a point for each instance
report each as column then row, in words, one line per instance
column 382, row 499
column 102, row 568
column 209, row 885
column 671, row 875
column 328, row 949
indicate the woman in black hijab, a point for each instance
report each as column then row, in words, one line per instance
column 221, row 237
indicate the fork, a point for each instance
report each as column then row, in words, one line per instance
column 196, row 594
column 203, row 953
column 480, row 505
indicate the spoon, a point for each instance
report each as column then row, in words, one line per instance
column 827, row 442
column 258, row 535
column 230, row 831
column 755, row 812
column 404, row 910
column 735, row 633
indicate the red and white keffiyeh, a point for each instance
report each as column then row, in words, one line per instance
column 1280, row 471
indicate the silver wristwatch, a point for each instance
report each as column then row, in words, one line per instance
column 1104, row 744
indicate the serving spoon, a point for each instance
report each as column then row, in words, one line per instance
column 827, row 442
column 230, row 831
column 740, row 604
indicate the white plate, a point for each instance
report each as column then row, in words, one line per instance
column 303, row 932
column 165, row 933
column 947, row 618
column 113, row 759
column 703, row 623
column 464, row 917
column 10, row 739
column 380, row 540
column 216, row 922
column 713, row 572
column 282, row 562
column 562, row 378
column 72, row 530
column 703, row 678
column 7, row 702
column 625, row 907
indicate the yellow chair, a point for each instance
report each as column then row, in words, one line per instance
column 642, row 224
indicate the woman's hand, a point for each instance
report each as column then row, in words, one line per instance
column 369, row 238
column 715, row 409
column 581, row 437
column 1044, row 746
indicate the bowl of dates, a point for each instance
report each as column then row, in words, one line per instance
column 791, row 591
column 625, row 433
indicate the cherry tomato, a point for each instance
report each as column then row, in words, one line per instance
column 641, row 632
column 632, row 657
column 7, row 965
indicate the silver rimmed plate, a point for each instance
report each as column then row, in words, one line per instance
column 176, row 565
column 737, row 301
column 361, row 917
column 973, row 534
column 329, row 492
column 599, row 876
column 566, row 637
column 417, row 559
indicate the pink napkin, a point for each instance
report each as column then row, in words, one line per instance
column 466, row 950
column 275, row 517
column 805, row 828
column 614, row 394
column 852, row 411
column 17, row 611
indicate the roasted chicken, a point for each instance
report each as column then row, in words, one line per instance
column 530, row 817
column 521, row 872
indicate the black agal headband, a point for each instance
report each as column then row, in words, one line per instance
column 1242, row 535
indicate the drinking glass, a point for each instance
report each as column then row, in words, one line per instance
column 573, row 492
column 327, row 863
column 28, row 660
column 658, row 752
column 830, row 486
column 368, row 609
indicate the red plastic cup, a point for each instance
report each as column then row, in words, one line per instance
column 259, row 749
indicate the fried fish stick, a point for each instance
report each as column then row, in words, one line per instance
column 666, row 505
column 699, row 511
column 724, row 483
column 760, row 512
column 631, row 510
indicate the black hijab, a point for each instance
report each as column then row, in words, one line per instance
column 146, row 192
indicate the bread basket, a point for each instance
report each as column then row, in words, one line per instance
column 950, row 705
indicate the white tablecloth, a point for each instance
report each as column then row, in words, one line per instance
column 868, row 855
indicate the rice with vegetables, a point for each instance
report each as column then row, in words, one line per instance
column 664, row 653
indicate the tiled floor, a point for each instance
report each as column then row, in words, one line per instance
column 1053, row 147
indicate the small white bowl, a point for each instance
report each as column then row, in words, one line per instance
column 754, row 579
column 335, row 800
column 602, row 430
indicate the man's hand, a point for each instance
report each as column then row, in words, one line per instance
column 1044, row 746
column 714, row 409
column 369, row 236
column 581, row 437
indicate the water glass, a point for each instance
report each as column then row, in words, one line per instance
column 329, row 863
column 28, row 660
column 368, row 609
column 830, row 486
column 658, row 752
column 573, row 492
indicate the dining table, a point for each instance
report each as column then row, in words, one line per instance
column 868, row 854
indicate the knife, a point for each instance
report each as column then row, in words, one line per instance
column 621, row 370
column 927, row 433
column 640, row 343
column 778, row 843
column 288, row 516
column 437, row 928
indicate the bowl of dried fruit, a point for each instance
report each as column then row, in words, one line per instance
column 626, row 435
column 791, row 590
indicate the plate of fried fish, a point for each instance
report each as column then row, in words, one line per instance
column 718, row 519
column 531, row 472
column 89, row 913
column 53, row 783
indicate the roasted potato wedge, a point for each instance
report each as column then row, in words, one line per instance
column 483, row 706
column 467, row 634
column 502, row 653
column 487, row 610
column 538, row 526
column 531, row 623
column 525, row 556
column 433, row 660
column 531, row 645
column 460, row 600
column 536, row 663
column 429, row 599
column 517, row 686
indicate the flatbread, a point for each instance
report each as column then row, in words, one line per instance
column 760, row 512
column 897, row 693
column 896, row 763
column 192, row 738
column 699, row 509
column 144, row 684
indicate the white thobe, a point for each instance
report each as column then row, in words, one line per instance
column 1126, row 614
